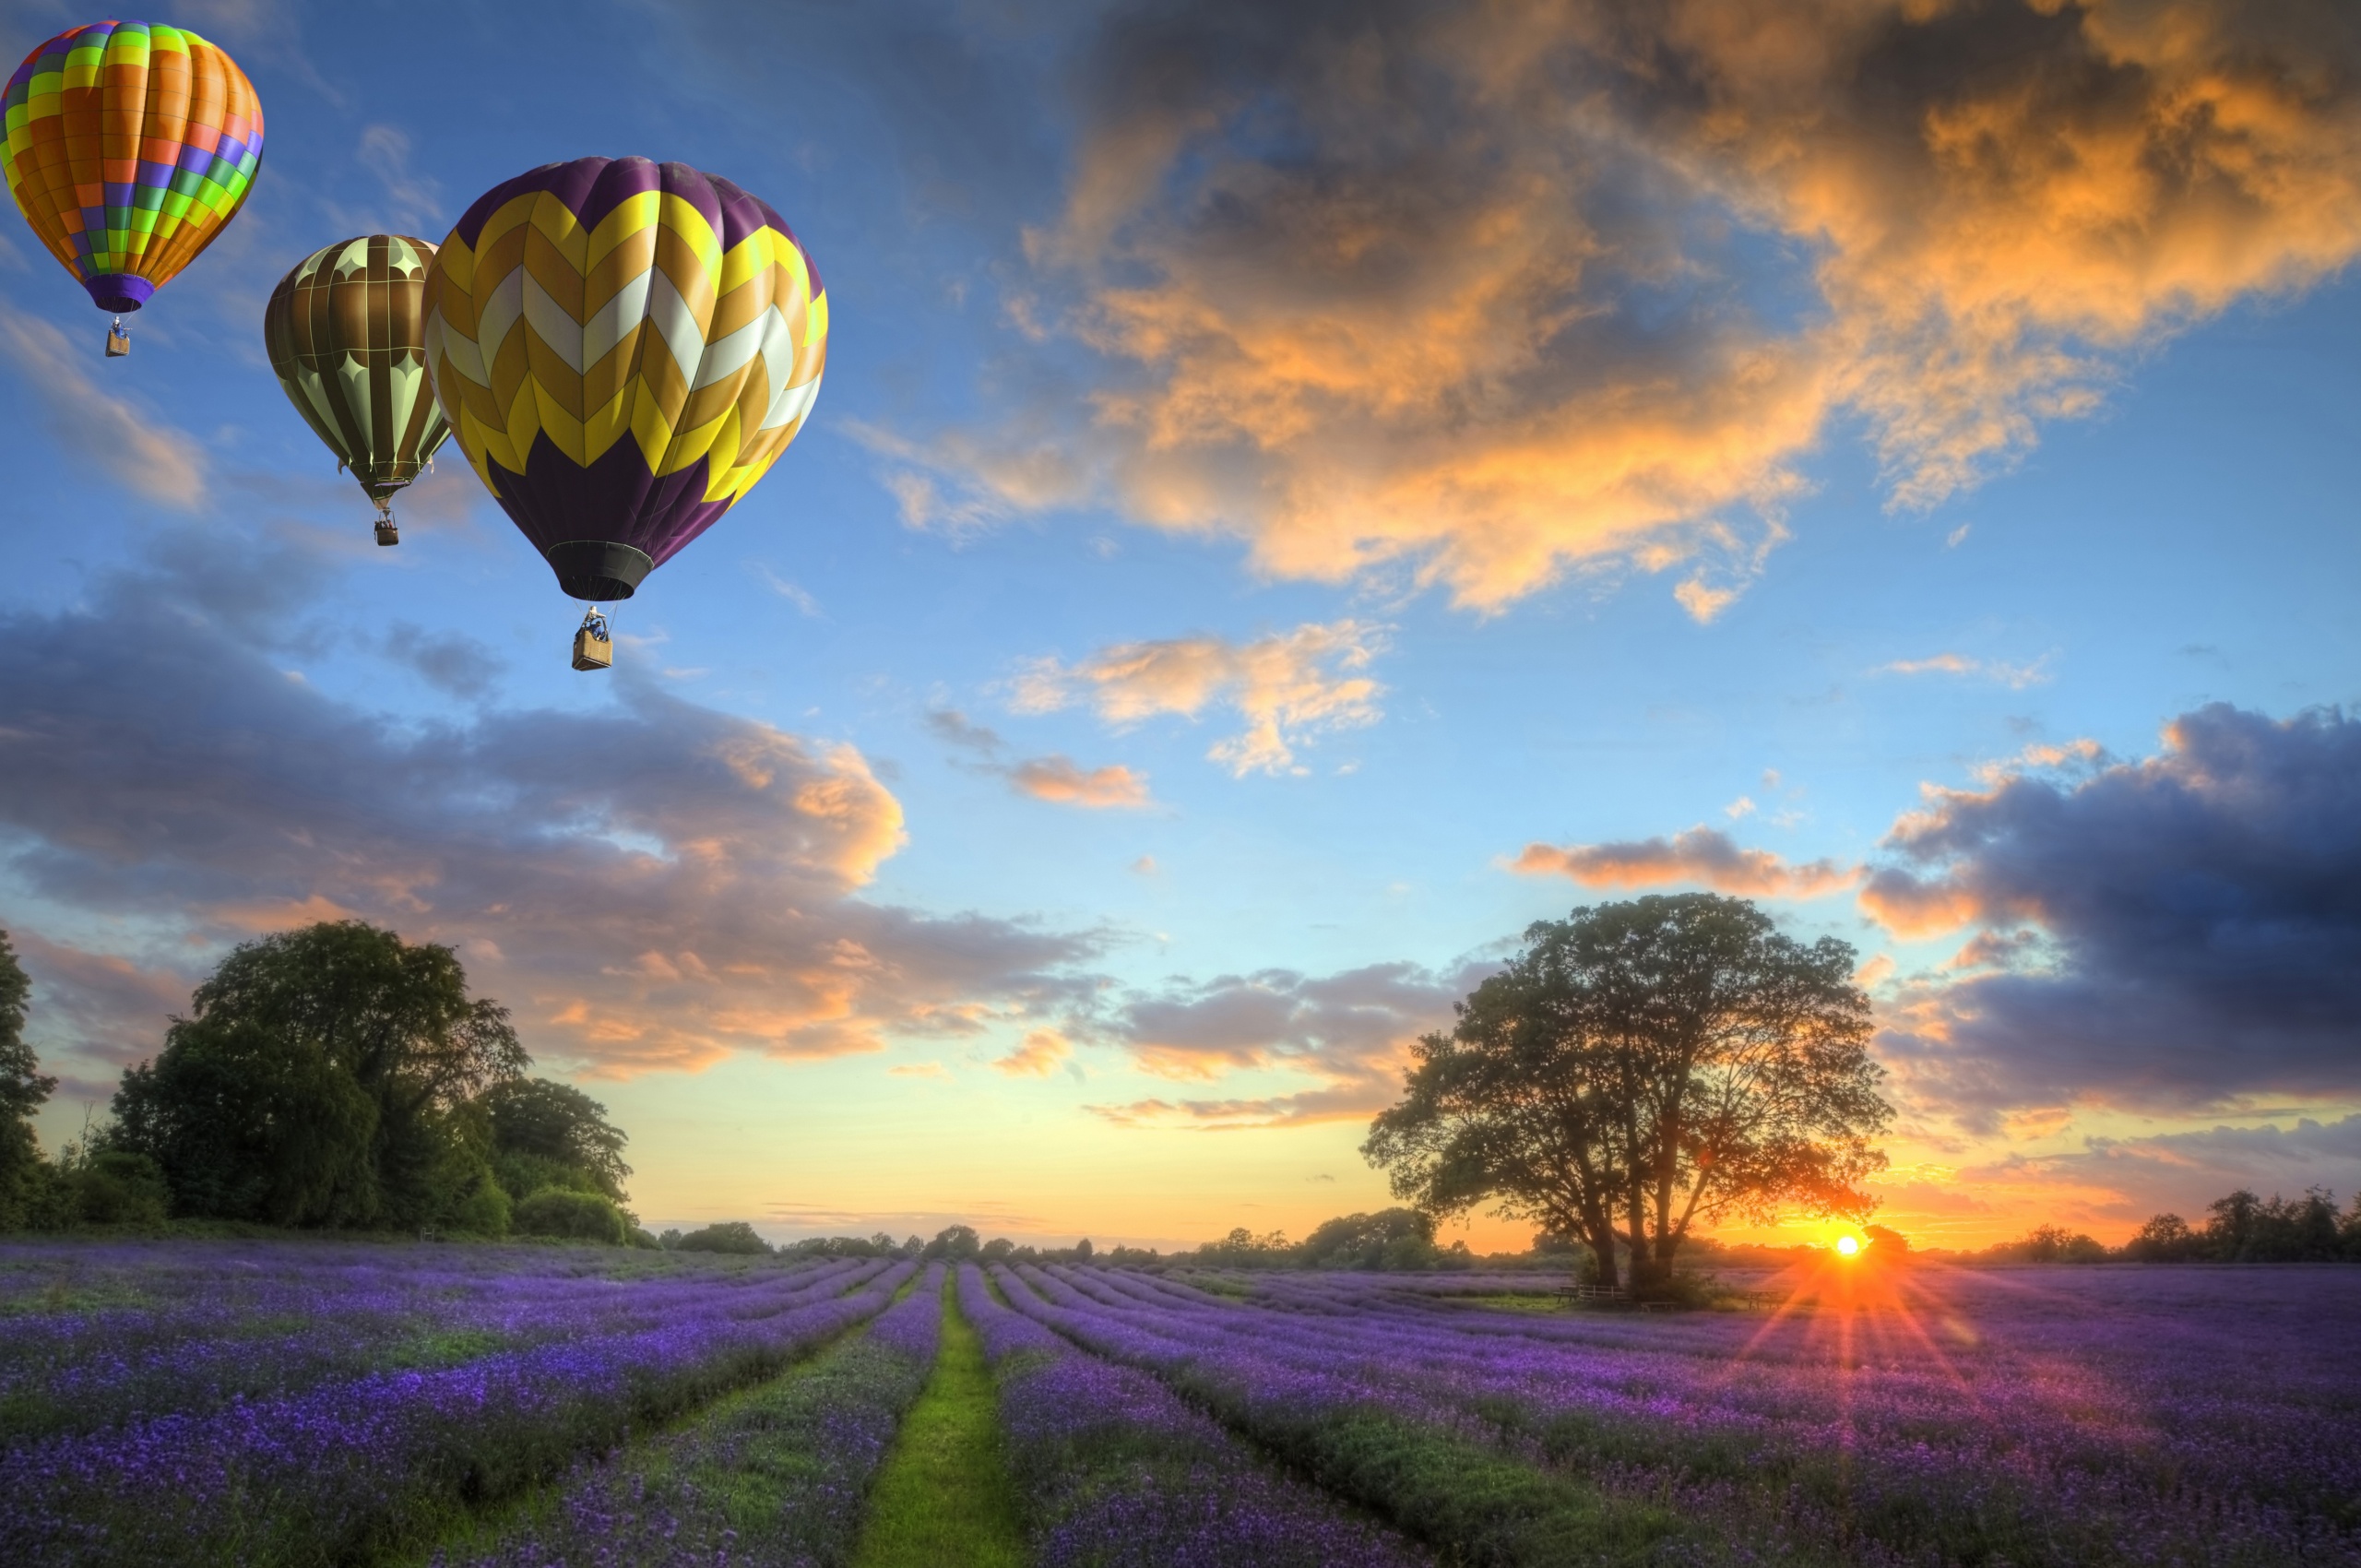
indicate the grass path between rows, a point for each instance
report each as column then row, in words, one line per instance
column 481, row 1527
column 945, row 1499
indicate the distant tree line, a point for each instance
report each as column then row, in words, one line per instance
column 2242, row 1228
column 335, row 1077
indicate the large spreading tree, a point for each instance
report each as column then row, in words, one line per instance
column 1640, row 1067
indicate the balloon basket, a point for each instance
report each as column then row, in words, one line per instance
column 387, row 533
column 594, row 649
column 118, row 339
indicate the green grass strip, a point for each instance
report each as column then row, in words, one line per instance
column 945, row 1499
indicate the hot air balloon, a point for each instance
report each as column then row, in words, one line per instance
column 130, row 146
column 345, row 333
column 622, row 348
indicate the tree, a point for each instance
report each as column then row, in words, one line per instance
column 2166, row 1238
column 249, row 1124
column 728, row 1236
column 2231, row 1232
column 576, row 1216
column 1886, row 1242
column 1640, row 1067
column 549, row 1134
column 324, row 1077
column 23, row 1090
column 1392, row 1239
column 955, row 1243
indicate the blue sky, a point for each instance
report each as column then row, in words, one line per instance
column 1271, row 475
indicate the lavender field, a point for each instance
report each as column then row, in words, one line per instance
column 476, row 1406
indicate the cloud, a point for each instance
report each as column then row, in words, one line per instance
column 2110, row 1185
column 2179, row 933
column 452, row 663
column 1703, row 855
column 414, row 201
column 1056, row 778
column 103, row 1005
column 2016, row 677
column 1287, row 686
column 1060, row 780
column 797, row 596
column 1496, row 294
column 119, row 436
column 950, row 726
column 1348, row 1032
column 650, row 884
column 1039, row 1056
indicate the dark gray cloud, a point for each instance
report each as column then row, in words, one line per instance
column 651, row 884
column 2196, row 920
column 452, row 663
column 2122, row 1182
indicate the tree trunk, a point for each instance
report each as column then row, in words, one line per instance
column 1601, row 1236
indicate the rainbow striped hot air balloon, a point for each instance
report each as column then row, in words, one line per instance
column 130, row 146
column 622, row 348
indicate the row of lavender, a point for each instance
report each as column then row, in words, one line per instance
column 1116, row 1472
column 776, row 1476
column 103, row 1335
column 1958, row 1418
column 346, row 1468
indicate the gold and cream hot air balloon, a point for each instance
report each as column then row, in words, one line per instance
column 345, row 331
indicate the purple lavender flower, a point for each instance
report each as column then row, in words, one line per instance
column 1115, row 1470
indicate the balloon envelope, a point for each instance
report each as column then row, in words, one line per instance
column 346, row 332
column 130, row 146
column 623, row 348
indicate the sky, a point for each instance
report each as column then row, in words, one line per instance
column 1299, row 494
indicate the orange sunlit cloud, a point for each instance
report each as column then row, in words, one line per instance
column 1419, row 350
column 1704, row 856
column 1286, row 687
column 1062, row 781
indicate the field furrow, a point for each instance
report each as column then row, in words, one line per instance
column 2013, row 1432
column 350, row 1471
column 1116, row 1472
column 778, row 1475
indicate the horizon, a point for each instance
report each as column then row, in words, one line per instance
column 1276, row 523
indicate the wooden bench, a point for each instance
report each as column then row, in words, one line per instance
column 1573, row 1293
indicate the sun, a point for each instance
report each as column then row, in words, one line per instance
column 1847, row 1245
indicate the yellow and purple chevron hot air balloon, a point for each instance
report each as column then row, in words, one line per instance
column 130, row 146
column 622, row 348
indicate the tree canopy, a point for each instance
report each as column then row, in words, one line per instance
column 23, row 1090
column 326, row 1076
column 1642, row 1066
column 549, row 1134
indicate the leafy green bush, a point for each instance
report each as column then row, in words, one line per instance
column 575, row 1216
column 114, row 1188
column 729, row 1236
column 484, row 1212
